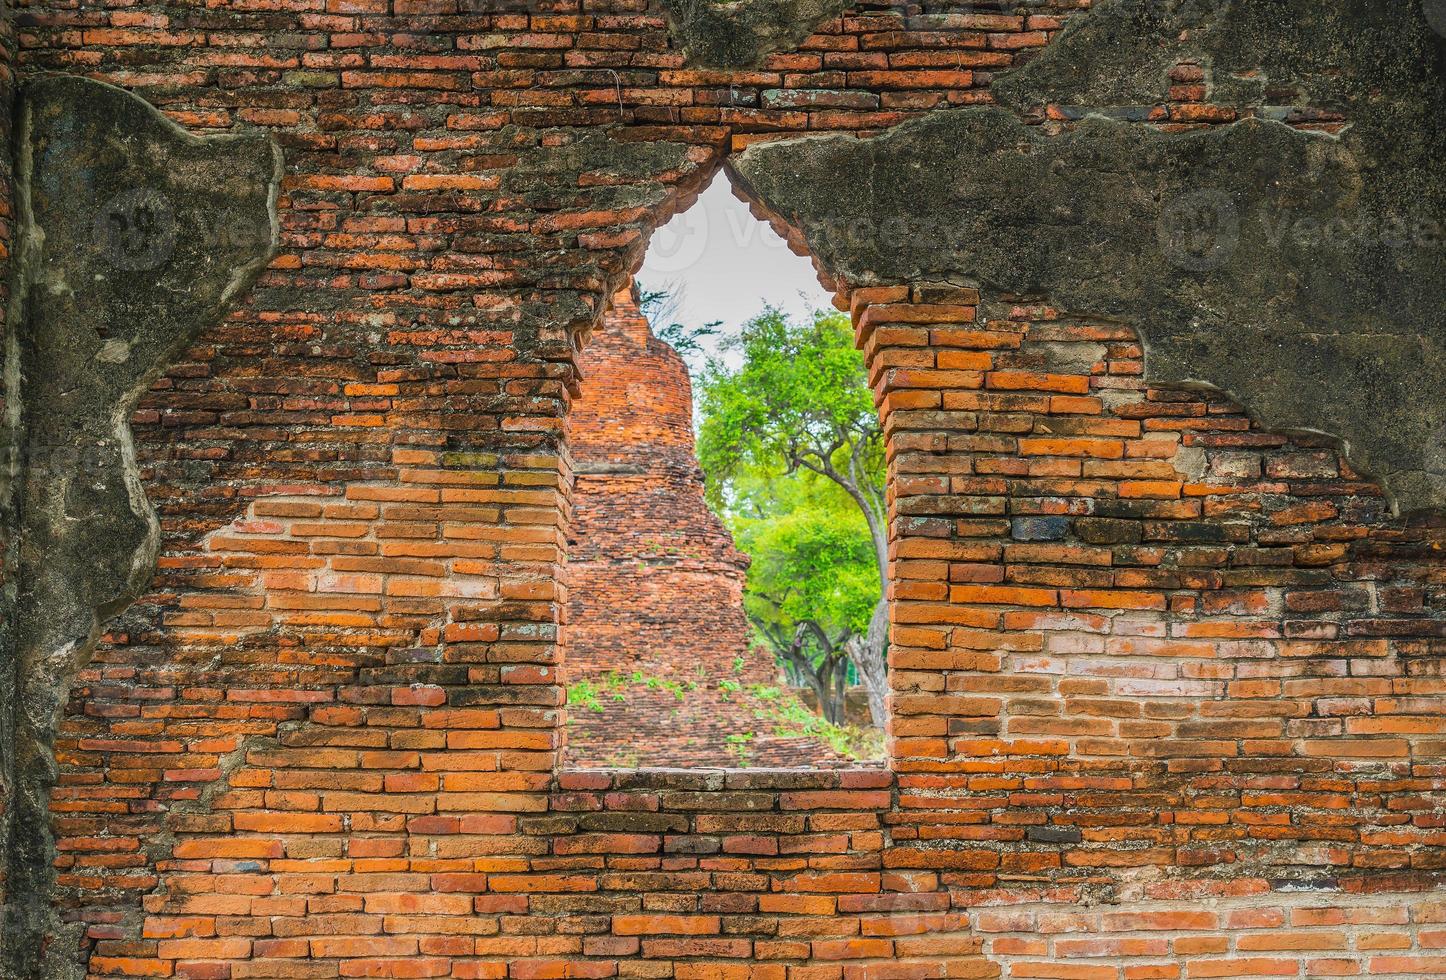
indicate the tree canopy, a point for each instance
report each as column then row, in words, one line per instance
column 792, row 448
column 812, row 554
column 800, row 400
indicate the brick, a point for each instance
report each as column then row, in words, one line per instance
column 1132, row 628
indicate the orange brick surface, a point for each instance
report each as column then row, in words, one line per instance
column 1167, row 698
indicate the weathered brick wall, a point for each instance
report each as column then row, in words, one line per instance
column 1130, row 623
column 642, row 539
column 8, row 562
column 655, row 584
column 1167, row 697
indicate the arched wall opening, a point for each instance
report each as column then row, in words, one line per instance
column 689, row 640
column 1166, row 683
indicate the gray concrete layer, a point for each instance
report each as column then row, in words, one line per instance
column 741, row 34
column 134, row 236
column 1301, row 273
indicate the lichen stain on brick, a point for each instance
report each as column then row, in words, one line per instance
column 1300, row 272
column 741, row 34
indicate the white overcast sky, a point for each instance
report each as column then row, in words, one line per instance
column 724, row 264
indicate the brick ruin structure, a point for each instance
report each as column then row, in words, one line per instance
column 655, row 584
column 1165, row 475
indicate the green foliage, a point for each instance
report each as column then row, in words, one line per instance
column 782, row 711
column 791, row 718
column 792, row 449
column 739, row 745
column 675, row 688
column 584, row 694
column 589, row 692
column 800, row 399
column 687, row 341
column 812, row 554
column 660, row 306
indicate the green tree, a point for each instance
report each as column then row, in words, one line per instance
column 798, row 409
column 813, row 583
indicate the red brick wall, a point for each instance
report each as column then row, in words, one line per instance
column 1128, row 621
column 642, row 540
column 655, row 584
column 1192, row 730
column 9, row 560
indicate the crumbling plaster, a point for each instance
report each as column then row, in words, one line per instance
column 742, row 33
column 134, row 236
column 1300, row 272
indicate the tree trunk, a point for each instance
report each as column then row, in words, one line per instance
column 869, row 654
column 825, row 679
column 820, row 685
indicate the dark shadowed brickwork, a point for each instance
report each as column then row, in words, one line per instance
column 1167, row 685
